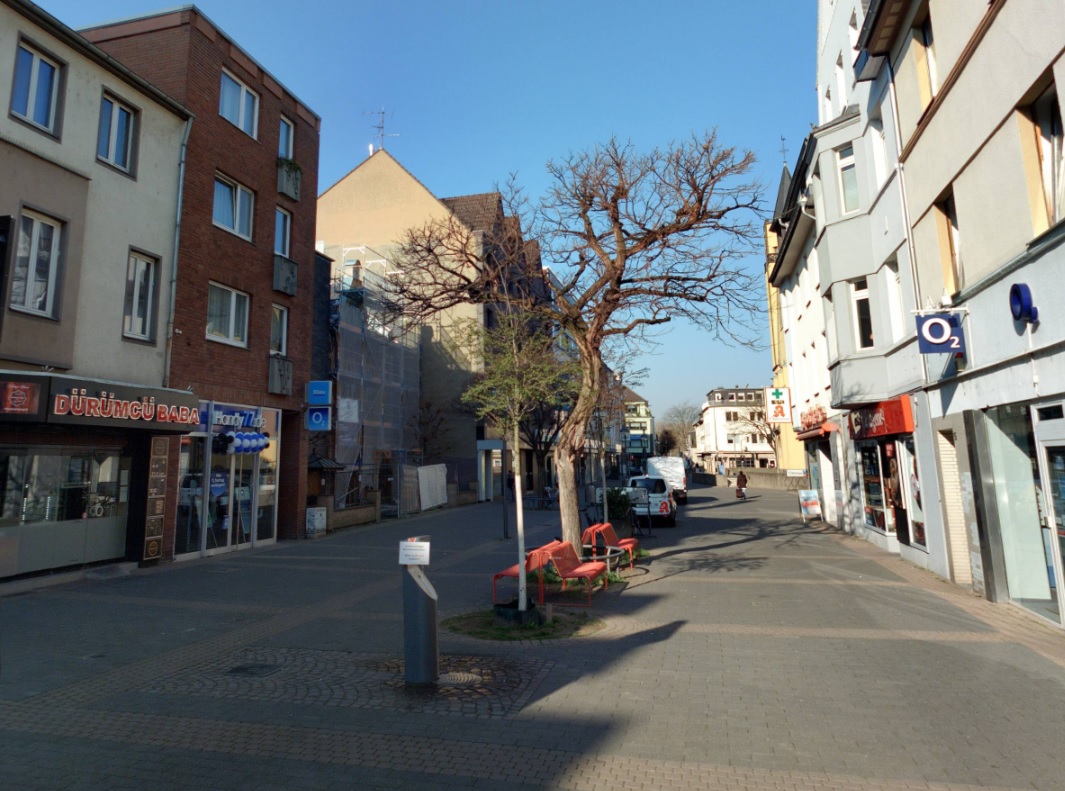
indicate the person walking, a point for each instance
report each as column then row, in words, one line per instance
column 741, row 486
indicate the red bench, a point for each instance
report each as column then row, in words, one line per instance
column 605, row 530
column 535, row 560
column 568, row 566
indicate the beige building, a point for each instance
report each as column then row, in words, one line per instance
column 361, row 221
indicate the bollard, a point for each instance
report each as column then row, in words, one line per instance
column 421, row 654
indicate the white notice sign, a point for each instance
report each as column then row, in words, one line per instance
column 414, row 551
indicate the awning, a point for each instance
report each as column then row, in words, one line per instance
column 317, row 462
column 817, row 431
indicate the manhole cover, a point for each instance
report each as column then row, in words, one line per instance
column 459, row 679
column 255, row 671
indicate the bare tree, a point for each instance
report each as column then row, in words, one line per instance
column 681, row 419
column 667, row 442
column 634, row 241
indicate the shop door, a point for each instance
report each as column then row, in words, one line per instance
column 1052, row 520
column 1050, row 500
column 231, row 488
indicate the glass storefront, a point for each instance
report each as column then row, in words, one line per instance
column 1022, row 510
column 61, row 507
column 227, row 498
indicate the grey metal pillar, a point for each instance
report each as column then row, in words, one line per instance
column 421, row 652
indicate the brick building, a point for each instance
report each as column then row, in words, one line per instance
column 241, row 332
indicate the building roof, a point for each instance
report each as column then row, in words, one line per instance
column 478, row 212
column 782, row 193
column 631, row 395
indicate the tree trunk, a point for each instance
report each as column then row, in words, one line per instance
column 571, row 442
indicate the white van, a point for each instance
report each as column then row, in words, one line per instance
column 672, row 469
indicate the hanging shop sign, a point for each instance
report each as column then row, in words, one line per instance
column 778, row 405
column 884, row 419
column 940, row 333
column 22, row 398
column 84, row 402
column 320, row 392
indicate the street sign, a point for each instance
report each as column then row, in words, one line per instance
column 414, row 551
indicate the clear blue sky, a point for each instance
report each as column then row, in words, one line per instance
column 479, row 89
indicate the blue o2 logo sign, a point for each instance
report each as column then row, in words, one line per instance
column 319, row 418
column 940, row 333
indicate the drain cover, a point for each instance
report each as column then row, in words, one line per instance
column 459, row 679
column 256, row 671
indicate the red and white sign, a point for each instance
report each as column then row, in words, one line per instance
column 778, row 405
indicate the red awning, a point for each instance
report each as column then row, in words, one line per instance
column 817, row 432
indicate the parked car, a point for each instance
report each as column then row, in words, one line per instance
column 652, row 498
column 673, row 470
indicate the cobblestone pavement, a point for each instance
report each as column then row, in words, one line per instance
column 747, row 651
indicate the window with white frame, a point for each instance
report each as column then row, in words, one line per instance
column 286, row 139
column 239, row 104
column 114, row 141
column 863, row 315
column 282, row 231
column 227, row 315
column 1046, row 114
column 234, row 205
column 894, row 294
column 142, row 278
column 34, row 281
column 279, row 331
column 848, row 179
column 35, row 94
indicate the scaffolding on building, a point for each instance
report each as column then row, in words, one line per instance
column 378, row 386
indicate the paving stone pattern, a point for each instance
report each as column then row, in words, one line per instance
column 748, row 651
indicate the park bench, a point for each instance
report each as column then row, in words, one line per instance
column 606, row 532
column 535, row 560
column 568, row 566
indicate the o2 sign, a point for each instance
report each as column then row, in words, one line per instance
column 940, row 333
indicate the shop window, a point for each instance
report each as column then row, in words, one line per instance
column 142, row 276
column 871, row 473
column 46, row 485
column 33, row 283
column 227, row 315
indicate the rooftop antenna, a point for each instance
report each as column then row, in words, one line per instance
column 379, row 127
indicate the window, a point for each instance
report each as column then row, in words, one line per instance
column 863, row 317
column 282, row 230
column 949, row 243
column 36, row 91
column 848, row 179
column 33, row 284
column 138, row 318
column 114, row 143
column 279, row 331
column 239, row 104
column 928, row 79
column 233, row 207
column 286, row 140
column 1046, row 114
column 227, row 315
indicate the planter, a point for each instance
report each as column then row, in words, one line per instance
column 509, row 613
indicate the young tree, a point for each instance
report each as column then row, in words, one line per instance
column 634, row 240
column 521, row 371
